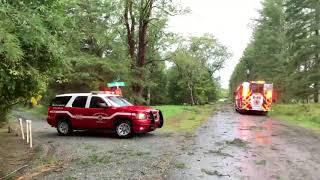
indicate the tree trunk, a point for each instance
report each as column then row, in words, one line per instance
column 137, row 51
column 316, row 93
column 317, row 59
column 130, row 27
column 3, row 115
column 191, row 94
column 149, row 96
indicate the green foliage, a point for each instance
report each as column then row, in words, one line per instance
column 284, row 50
column 29, row 51
column 191, row 77
column 57, row 46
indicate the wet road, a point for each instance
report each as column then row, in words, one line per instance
column 234, row 146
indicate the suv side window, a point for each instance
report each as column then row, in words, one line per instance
column 95, row 101
column 60, row 101
column 80, row 102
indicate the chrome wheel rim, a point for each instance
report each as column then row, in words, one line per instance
column 123, row 129
column 63, row 127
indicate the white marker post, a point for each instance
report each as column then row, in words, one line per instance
column 27, row 124
column 21, row 128
column 29, row 130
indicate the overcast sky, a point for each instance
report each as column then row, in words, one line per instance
column 230, row 21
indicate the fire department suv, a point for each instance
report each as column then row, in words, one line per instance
column 98, row 110
column 253, row 96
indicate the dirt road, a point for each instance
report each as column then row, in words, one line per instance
column 100, row 155
column 234, row 146
column 227, row 146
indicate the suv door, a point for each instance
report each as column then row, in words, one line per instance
column 99, row 112
column 79, row 111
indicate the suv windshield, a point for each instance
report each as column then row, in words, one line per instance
column 119, row 101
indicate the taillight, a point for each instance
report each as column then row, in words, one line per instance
column 269, row 94
column 245, row 92
column 245, row 89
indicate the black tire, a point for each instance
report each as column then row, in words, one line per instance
column 161, row 119
column 124, row 129
column 64, row 128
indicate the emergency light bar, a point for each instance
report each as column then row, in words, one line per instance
column 103, row 92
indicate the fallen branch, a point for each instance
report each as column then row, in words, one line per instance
column 24, row 166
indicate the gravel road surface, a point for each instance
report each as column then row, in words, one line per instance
column 228, row 146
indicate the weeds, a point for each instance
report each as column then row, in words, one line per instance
column 262, row 162
column 213, row 173
column 219, row 152
column 180, row 165
column 304, row 115
column 237, row 142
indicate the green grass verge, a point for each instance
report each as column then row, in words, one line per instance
column 304, row 115
column 184, row 118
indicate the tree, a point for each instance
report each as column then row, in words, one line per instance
column 303, row 19
column 265, row 58
column 137, row 17
column 196, row 60
column 94, row 47
column 29, row 50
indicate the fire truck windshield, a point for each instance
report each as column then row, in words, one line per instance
column 256, row 88
column 119, row 101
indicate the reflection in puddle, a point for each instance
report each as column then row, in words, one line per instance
column 254, row 131
column 257, row 131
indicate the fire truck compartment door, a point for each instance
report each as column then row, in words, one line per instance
column 256, row 101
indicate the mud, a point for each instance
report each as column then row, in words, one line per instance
column 234, row 146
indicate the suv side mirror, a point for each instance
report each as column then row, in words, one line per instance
column 102, row 105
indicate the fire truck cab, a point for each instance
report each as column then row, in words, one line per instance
column 253, row 96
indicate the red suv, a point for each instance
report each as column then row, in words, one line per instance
column 68, row 112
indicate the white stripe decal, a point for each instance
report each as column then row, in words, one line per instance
column 91, row 117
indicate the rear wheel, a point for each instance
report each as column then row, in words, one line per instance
column 123, row 129
column 64, row 128
column 161, row 119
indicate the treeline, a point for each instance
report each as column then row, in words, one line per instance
column 285, row 50
column 60, row 46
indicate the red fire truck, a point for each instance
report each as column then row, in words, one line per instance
column 253, row 96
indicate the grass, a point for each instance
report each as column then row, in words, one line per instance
column 304, row 115
column 184, row 118
column 180, row 165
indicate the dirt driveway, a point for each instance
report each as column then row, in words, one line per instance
column 227, row 146
column 234, row 146
column 100, row 155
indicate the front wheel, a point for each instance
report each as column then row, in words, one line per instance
column 123, row 129
column 64, row 128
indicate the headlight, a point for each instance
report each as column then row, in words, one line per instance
column 141, row 116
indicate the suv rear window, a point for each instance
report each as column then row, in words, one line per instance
column 60, row 101
column 80, row 102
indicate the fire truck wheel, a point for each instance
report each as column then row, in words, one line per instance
column 64, row 128
column 124, row 129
